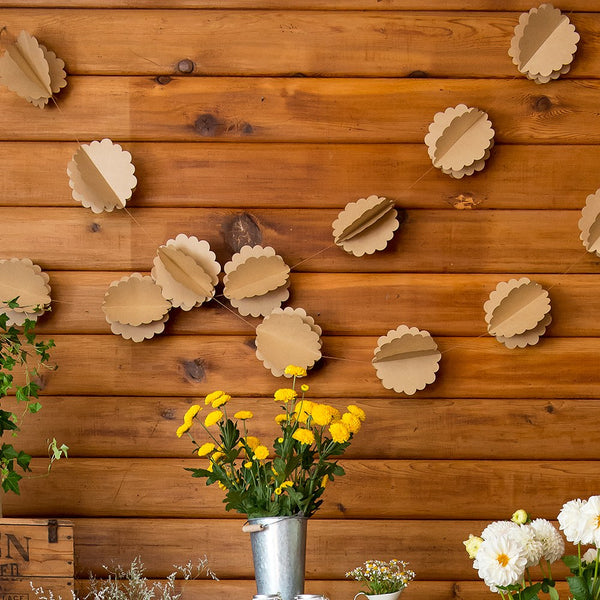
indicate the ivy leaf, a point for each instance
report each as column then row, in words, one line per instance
column 11, row 482
column 23, row 461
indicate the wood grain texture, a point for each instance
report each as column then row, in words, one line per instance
column 300, row 110
column 126, row 487
column 428, row 241
column 426, row 428
column 443, row 304
column 313, row 43
column 195, row 365
column 346, row 543
column 240, row 175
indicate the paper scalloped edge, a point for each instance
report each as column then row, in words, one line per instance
column 240, row 258
column 138, row 333
column 124, row 281
column 506, row 289
column 121, row 186
column 56, row 73
column 590, row 221
column 555, row 70
column 177, row 293
column 407, row 386
column 13, row 319
column 385, row 222
column 529, row 338
column 304, row 324
column 262, row 305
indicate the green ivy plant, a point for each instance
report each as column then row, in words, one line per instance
column 22, row 354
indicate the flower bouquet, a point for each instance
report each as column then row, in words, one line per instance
column 383, row 577
column 290, row 479
column 506, row 550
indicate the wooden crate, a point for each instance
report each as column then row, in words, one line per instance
column 38, row 552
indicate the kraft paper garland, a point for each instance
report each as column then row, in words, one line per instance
column 31, row 70
column 406, row 359
column 135, row 308
column 365, row 226
column 256, row 280
column 589, row 223
column 459, row 140
column 544, row 44
column 101, row 176
column 518, row 312
column 187, row 271
column 20, row 278
column 288, row 337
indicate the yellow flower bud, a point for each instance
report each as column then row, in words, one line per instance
column 472, row 545
column 520, row 517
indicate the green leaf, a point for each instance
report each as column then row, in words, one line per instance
column 11, row 482
column 572, row 562
column 34, row 407
column 553, row 593
column 23, row 461
column 530, row 592
column 579, row 588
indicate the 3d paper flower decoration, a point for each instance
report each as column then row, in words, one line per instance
column 365, row 226
column 31, row 70
column 589, row 224
column 256, row 281
column 135, row 308
column 406, row 359
column 24, row 281
column 288, row 337
column 544, row 44
column 518, row 312
column 187, row 271
column 101, row 176
column 459, row 140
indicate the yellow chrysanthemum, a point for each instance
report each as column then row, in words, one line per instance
column 287, row 483
column 357, row 412
column 191, row 413
column 206, row 448
column 217, row 456
column 212, row 397
column 252, row 441
column 279, row 419
column 352, row 422
column 294, row 371
column 261, row 452
column 324, row 480
column 222, row 486
column 304, row 387
column 285, row 395
column 221, row 400
column 183, row 428
column 248, row 464
column 213, row 417
column 303, row 410
column 274, row 471
column 243, row 415
column 278, row 491
column 304, row 436
column 280, row 440
column 339, row 432
column 322, row 414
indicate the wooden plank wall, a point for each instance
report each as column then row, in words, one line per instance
column 293, row 109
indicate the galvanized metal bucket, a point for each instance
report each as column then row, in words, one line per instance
column 278, row 551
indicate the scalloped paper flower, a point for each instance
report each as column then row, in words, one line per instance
column 366, row 226
column 589, row 223
column 406, row 359
column 101, row 176
column 544, row 44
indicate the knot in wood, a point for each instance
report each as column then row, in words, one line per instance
column 418, row 75
column 163, row 79
column 186, row 66
column 542, row 104
column 241, row 230
column 206, row 125
column 95, row 227
column 194, row 369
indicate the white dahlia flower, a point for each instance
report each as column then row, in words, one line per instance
column 572, row 520
column 590, row 555
column 498, row 528
column 591, row 519
column 500, row 561
column 553, row 545
column 531, row 547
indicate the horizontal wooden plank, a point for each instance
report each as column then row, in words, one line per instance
column 300, row 109
column 314, row 43
column 460, row 5
column 126, row 487
column 346, row 544
column 396, row 428
column 428, row 240
column 240, row 175
column 343, row 590
column 443, row 304
column 195, row 365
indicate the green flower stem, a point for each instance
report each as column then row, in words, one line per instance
column 579, row 556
